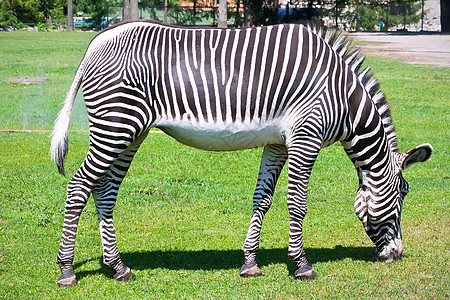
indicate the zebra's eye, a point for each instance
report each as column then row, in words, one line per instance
column 404, row 188
column 404, row 191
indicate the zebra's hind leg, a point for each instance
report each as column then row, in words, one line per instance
column 96, row 165
column 105, row 194
column 302, row 155
column 78, row 190
column 272, row 162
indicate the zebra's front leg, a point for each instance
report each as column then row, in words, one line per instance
column 272, row 162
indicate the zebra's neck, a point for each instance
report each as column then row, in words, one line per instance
column 367, row 143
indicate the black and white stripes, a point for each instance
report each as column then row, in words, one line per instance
column 289, row 88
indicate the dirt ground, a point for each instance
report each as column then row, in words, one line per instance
column 433, row 49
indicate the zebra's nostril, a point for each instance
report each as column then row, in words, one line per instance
column 390, row 252
column 386, row 255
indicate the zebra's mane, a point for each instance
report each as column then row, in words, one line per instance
column 353, row 58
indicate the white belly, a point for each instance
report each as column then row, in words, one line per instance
column 216, row 137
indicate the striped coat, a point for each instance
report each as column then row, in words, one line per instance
column 289, row 88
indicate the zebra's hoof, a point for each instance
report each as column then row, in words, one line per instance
column 307, row 272
column 124, row 274
column 250, row 270
column 67, row 279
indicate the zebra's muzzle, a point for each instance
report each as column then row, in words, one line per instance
column 390, row 252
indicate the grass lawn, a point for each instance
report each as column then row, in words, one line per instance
column 182, row 214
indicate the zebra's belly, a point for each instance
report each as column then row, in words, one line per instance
column 215, row 137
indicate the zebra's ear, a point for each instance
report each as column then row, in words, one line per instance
column 419, row 154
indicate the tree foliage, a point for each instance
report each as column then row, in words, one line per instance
column 14, row 12
column 364, row 14
column 94, row 11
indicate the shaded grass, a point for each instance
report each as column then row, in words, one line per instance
column 182, row 214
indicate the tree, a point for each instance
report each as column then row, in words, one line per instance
column 70, row 25
column 222, row 22
column 126, row 10
column 389, row 13
column 134, row 9
column 8, row 13
column 94, row 11
column 404, row 13
column 445, row 16
column 248, row 20
column 257, row 12
column 368, row 17
column 45, row 7
column 263, row 12
column 130, row 10
column 13, row 12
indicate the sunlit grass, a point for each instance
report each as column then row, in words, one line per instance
column 182, row 214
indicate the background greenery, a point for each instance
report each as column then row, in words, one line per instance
column 370, row 14
column 182, row 214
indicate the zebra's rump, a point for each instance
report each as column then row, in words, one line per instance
column 225, row 137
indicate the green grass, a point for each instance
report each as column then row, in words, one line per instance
column 182, row 214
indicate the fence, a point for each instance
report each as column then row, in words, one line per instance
column 364, row 16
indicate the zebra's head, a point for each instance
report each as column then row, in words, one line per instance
column 379, row 201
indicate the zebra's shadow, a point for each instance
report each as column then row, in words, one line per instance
column 224, row 259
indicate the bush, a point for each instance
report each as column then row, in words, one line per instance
column 42, row 27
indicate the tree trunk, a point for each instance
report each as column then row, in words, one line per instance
column 222, row 14
column 134, row 10
column 274, row 16
column 445, row 16
column 70, row 26
column 165, row 10
column 237, row 17
column 310, row 10
column 130, row 10
column 126, row 10
column 48, row 17
column 248, row 20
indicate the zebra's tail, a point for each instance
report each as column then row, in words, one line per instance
column 59, row 145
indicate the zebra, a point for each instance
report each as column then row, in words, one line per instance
column 289, row 88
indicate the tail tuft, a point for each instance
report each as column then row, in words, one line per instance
column 59, row 145
column 58, row 151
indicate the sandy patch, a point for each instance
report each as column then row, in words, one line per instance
column 433, row 49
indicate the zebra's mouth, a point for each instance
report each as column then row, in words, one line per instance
column 390, row 252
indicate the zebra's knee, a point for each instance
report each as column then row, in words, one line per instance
column 105, row 195
column 261, row 203
column 78, row 191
